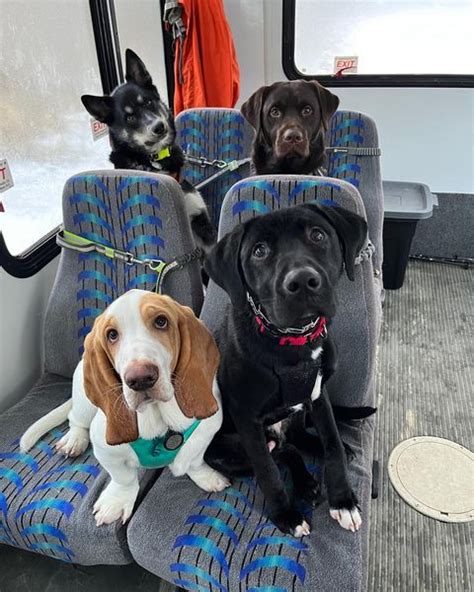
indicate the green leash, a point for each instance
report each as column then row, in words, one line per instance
column 74, row 242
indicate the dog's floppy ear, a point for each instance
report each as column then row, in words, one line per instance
column 222, row 263
column 329, row 102
column 99, row 107
column 252, row 108
column 351, row 230
column 196, row 367
column 104, row 389
column 135, row 70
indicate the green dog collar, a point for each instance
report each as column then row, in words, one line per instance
column 161, row 451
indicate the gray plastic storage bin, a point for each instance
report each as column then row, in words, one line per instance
column 404, row 205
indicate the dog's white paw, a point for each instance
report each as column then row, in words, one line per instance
column 109, row 508
column 348, row 519
column 302, row 530
column 209, row 479
column 74, row 443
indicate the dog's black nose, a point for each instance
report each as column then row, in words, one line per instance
column 293, row 136
column 300, row 280
column 159, row 128
column 141, row 376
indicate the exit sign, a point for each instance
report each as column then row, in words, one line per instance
column 345, row 64
column 98, row 129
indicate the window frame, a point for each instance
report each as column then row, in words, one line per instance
column 33, row 259
column 359, row 80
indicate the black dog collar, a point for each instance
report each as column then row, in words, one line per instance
column 296, row 336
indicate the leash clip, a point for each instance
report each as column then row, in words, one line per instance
column 220, row 164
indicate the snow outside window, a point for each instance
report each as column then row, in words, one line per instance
column 48, row 60
column 387, row 36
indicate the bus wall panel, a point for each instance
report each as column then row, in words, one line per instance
column 22, row 308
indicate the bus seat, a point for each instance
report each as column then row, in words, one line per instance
column 45, row 499
column 351, row 129
column 214, row 134
column 142, row 213
column 224, row 541
column 223, row 134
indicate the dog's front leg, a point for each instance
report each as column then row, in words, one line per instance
column 118, row 498
column 343, row 504
column 190, row 458
column 281, row 513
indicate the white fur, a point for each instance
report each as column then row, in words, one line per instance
column 302, row 530
column 156, row 414
column 316, row 392
column 316, row 353
column 298, row 407
column 194, row 203
column 348, row 519
column 44, row 425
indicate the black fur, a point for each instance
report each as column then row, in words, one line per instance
column 290, row 119
column 140, row 126
column 257, row 376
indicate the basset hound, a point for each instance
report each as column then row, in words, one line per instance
column 145, row 394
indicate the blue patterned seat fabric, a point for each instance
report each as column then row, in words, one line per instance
column 46, row 500
column 215, row 134
column 224, row 541
column 352, row 129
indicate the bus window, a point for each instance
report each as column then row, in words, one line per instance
column 386, row 37
column 48, row 60
column 141, row 31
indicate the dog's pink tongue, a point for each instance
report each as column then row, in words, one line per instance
column 271, row 445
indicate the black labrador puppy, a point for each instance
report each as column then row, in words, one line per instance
column 280, row 271
column 290, row 119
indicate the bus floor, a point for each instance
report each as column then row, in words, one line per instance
column 424, row 386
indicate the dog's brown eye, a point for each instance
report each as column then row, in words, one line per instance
column 316, row 235
column 161, row 322
column 148, row 103
column 260, row 251
column 130, row 118
column 308, row 110
column 112, row 335
column 275, row 112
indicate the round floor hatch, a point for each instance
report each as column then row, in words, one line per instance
column 435, row 476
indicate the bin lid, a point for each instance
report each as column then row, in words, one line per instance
column 407, row 200
column 434, row 476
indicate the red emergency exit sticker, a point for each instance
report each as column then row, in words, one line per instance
column 345, row 65
column 6, row 179
column 98, row 128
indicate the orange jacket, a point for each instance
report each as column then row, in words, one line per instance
column 210, row 71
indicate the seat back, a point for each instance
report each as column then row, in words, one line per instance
column 215, row 134
column 356, row 326
column 351, row 129
column 141, row 213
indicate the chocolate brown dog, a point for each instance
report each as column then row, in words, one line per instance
column 290, row 119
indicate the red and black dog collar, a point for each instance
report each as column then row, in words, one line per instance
column 292, row 335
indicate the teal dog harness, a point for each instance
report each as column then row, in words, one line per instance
column 161, row 451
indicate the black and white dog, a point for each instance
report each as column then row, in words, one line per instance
column 280, row 271
column 143, row 137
